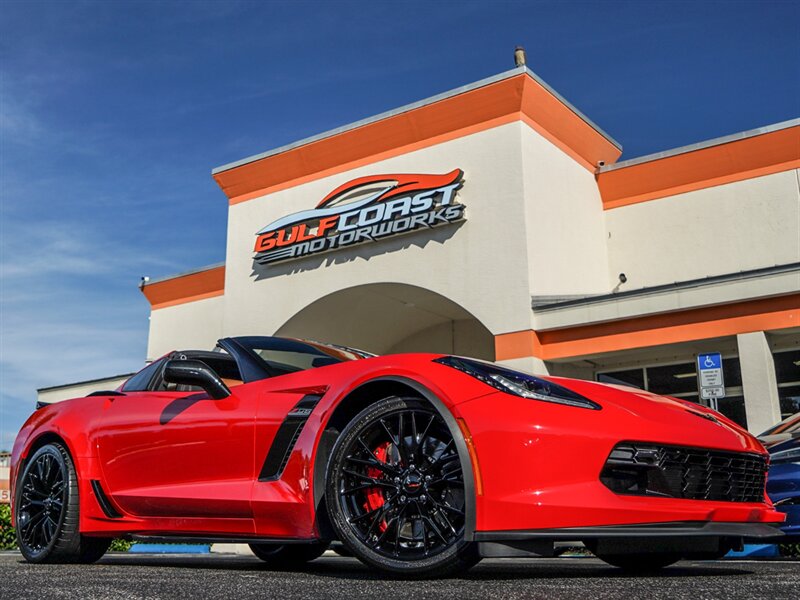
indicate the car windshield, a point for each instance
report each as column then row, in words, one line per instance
column 285, row 355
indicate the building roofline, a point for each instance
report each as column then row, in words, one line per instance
column 185, row 273
column 412, row 106
column 701, row 145
column 667, row 287
column 198, row 284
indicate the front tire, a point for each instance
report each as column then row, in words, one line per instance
column 396, row 493
column 285, row 556
column 47, row 511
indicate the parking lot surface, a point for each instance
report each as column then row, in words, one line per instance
column 190, row 577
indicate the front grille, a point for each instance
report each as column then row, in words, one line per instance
column 644, row 469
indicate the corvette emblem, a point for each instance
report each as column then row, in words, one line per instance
column 363, row 210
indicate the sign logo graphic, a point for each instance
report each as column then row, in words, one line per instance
column 363, row 210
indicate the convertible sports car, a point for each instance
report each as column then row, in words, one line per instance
column 419, row 464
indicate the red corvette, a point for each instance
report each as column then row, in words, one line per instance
column 419, row 464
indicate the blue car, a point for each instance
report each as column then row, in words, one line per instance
column 783, row 484
column 782, row 431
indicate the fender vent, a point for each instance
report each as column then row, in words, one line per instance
column 104, row 502
column 286, row 438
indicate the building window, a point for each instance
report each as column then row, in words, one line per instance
column 787, row 372
column 680, row 380
column 631, row 378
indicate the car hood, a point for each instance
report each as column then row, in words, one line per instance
column 680, row 420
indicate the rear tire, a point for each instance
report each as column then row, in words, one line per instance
column 395, row 491
column 284, row 556
column 47, row 511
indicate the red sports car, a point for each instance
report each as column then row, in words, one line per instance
column 419, row 464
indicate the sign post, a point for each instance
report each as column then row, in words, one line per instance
column 710, row 379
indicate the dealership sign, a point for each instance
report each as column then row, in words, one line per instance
column 366, row 209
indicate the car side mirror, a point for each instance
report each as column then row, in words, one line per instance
column 196, row 373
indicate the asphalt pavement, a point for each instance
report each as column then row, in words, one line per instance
column 191, row 577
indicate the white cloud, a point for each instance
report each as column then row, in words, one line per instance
column 69, row 311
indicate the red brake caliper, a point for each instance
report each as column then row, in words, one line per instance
column 375, row 497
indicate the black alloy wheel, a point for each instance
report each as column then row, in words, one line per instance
column 43, row 497
column 46, row 511
column 396, row 491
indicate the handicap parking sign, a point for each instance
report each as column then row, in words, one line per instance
column 710, row 379
column 709, row 361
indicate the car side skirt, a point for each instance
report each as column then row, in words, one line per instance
column 670, row 529
column 690, row 537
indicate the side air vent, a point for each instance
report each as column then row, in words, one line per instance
column 286, row 437
column 104, row 502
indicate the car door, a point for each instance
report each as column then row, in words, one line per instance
column 180, row 454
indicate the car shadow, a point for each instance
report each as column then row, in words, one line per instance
column 177, row 406
column 488, row 570
column 504, row 570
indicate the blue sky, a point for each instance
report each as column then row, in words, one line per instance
column 112, row 115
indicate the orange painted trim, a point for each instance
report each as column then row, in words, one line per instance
column 655, row 330
column 476, row 110
column 556, row 122
column 699, row 185
column 716, row 165
column 556, row 142
column 517, row 344
column 491, row 124
column 187, row 299
column 186, row 288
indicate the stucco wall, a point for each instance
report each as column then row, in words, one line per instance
column 193, row 325
column 534, row 227
column 479, row 264
column 564, row 220
column 463, row 338
column 724, row 229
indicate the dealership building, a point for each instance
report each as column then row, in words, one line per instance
column 495, row 221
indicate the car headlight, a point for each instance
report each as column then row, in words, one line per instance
column 792, row 455
column 518, row 384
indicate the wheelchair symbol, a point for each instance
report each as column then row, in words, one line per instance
column 709, row 362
